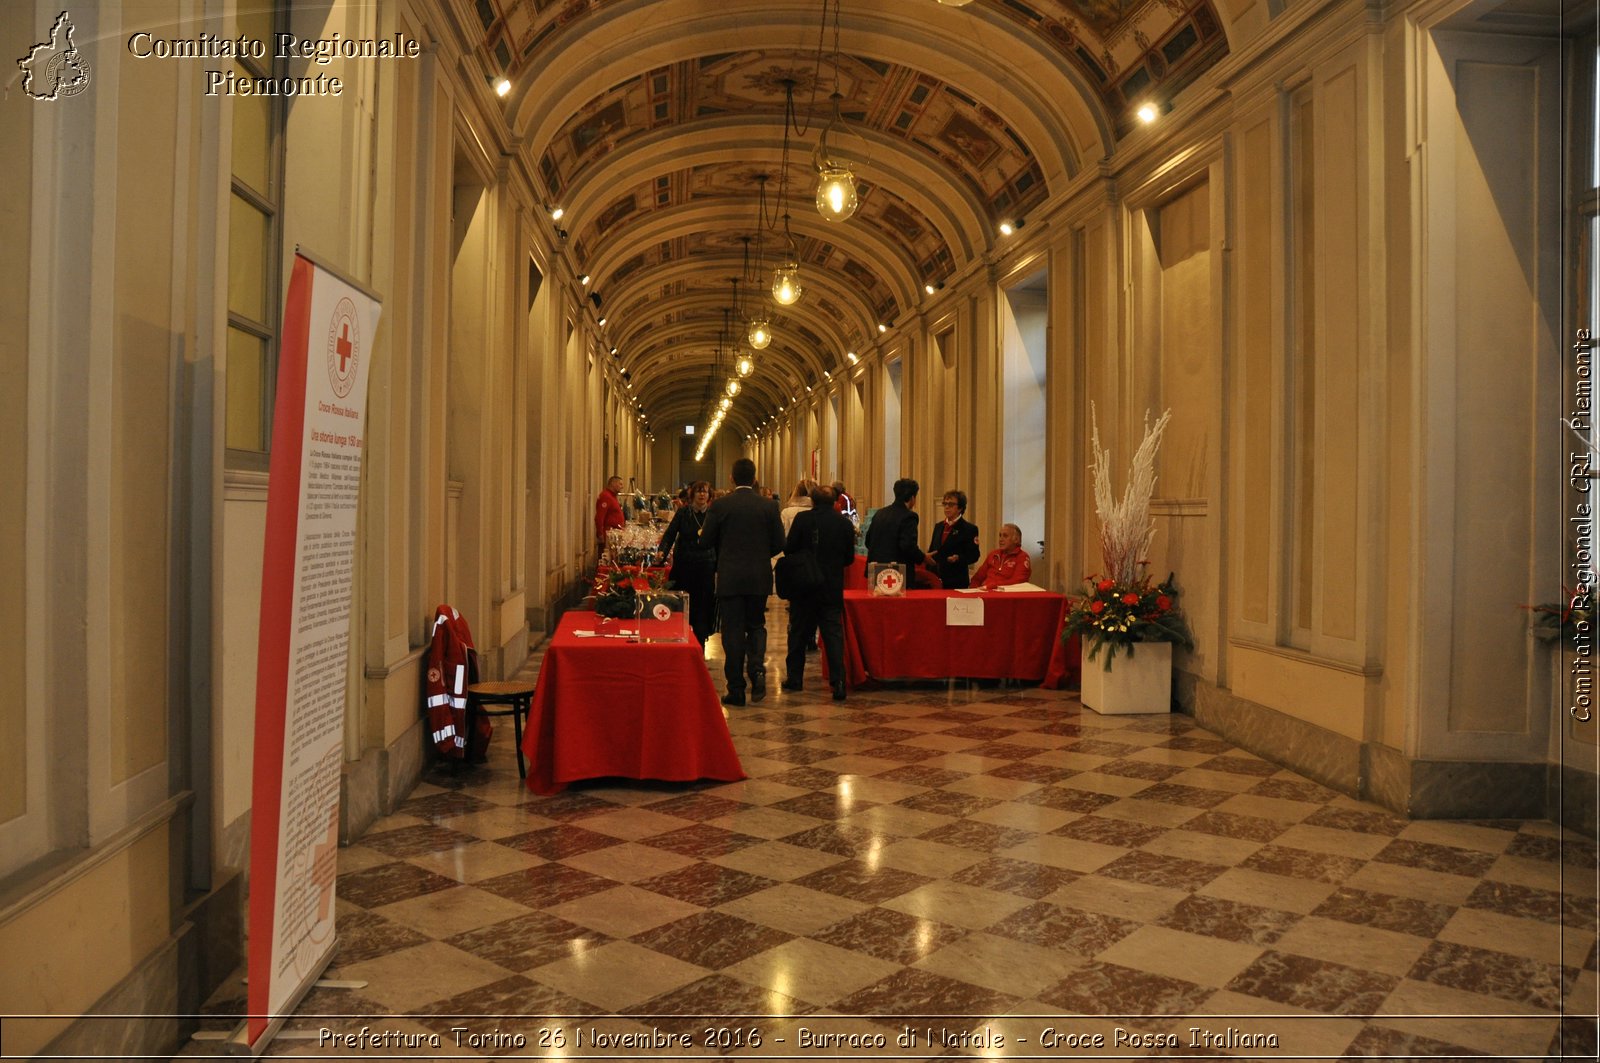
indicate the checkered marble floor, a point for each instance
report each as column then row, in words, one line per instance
column 995, row 871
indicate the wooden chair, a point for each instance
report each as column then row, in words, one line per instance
column 512, row 698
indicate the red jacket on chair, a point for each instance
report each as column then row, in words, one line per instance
column 452, row 667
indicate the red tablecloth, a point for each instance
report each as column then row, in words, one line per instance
column 641, row 710
column 855, row 577
column 907, row 637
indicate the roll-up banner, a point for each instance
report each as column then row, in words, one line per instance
column 302, row 663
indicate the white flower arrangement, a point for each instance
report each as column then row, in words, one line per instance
column 1126, row 527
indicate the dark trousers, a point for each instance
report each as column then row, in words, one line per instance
column 806, row 615
column 743, row 618
column 700, row 583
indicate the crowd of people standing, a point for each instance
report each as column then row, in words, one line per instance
column 720, row 548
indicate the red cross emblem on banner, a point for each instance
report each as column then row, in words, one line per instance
column 344, row 348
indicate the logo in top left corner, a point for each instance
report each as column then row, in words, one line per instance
column 344, row 347
column 54, row 69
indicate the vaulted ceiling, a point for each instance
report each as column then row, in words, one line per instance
column 655, row 125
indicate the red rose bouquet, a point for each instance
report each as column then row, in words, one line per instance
column 1114, row 616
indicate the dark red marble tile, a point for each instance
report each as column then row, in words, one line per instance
column 859, row 882
column 714, row 998
column 947, row 802
column 1154, row 869
column 366, row 936
column 1069, row 799
column 1068, row 929
column 713, row 940
column 443, row 806
column 835, row 839
column 1358, row 819
column 922, row 775
column 1315, row 985
column 984, row 837
column 1403, row 915
column 387, row 883
column 528, row 941
column 806, row 778
column 570, row 805
column 982, row 732
column 1140, row 769
column 698, row 807
column 546, row 885
column 1230, row 920
column 821, row 805
column 1177, row 794
column 1293, row 790
column 1381, row 1042
column 1240, row 766
column 1031, row 771
column 557, row 843
column 416, row 840
column 707, row 885
column 1109, row 989
column 911, row 993
column 1021, row 877
column 1101, row 747
column 1495, row 974
column 702, row 840
column 903, row 754
column 890, row 935
column 1302, row 863
column 1122, row 832
column 1426, row 855
column 1228, row 825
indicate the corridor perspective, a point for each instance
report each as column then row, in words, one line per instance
column 357, row 353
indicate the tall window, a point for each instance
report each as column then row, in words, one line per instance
column 254, row 240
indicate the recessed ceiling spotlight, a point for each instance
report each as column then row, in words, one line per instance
column 882, row 327
column 502, row 87
column 852, row 356
column 1148, row 112
column 556, row 213
column 601, row 322
column 1006, row 229
column 584, row 280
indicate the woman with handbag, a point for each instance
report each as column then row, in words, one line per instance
column 830, row 539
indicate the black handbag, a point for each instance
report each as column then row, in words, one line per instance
column 798, row 574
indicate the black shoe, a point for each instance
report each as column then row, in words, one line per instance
column 791, row 684
column 736, row 700
column 758, row 689
column 838, row 690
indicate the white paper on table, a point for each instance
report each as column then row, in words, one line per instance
column 969, row 590
column 1020, row 587
column 963, row 612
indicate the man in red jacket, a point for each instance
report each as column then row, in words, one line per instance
column 608, row 511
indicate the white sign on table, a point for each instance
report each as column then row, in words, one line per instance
column 963, row 612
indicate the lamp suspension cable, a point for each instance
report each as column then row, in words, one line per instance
column 786, row 287
column 836, row 184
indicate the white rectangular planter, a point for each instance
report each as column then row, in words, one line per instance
column 1137, row 684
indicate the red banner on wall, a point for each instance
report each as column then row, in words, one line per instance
column 302, row 663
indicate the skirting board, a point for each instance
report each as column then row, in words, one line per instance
column 1418, row 789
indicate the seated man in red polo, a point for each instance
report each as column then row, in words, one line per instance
column 1007, row 565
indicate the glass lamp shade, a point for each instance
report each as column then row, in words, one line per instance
column 836, row 192
column 733, row 388
column 745, row 365
column 760, row 333
column 955, row 3
column 725, row 403
column 786, row 284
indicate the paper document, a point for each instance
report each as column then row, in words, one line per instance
column 1020, row 587
column 963, row 612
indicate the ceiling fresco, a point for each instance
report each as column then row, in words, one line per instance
column 968, row 125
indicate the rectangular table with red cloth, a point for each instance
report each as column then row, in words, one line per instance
column 611, row 707
column 907, row 637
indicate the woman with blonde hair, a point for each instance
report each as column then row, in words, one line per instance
column 798, row 503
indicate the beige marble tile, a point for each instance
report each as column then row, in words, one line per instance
column 476, row 862
column 1331, row 840
column 1176, row 954
column 1114, row 896
column 1301, row 1034
column 1268, row 807
column 1460, row 835
column 1207, row 848
column 883, row 791
column 934, row 859
column 765, row 822
column 1066, row 758
column 623, row 911
column 1268, row 891
column 1068, row 853
column 793, row 908
column 1100, row 783
column 634, row 823
column 777, row 860
column 1002, row 964
column 855, row 764
column 628, row 862
column 1529, row 938
column 618, row 975
column 896, row 821
column 1206, row 779
column 359, row 858
column 1460, row 1012
column 447, row 912
column 495, row 823
column 1038, row 818
column 392, row 979
column 1540, row 875
column 1419, row 883
column 957, row 904
column 755, row 791
column 1156, row 813
column 1182, row 758
column 993, row 786
column 1363, row 947
column 809, row 970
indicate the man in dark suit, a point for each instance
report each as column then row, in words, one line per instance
column 746, row 533
column 954, row 545
column 831, row 535
column 892, row 535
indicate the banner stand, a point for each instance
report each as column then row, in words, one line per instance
column 237, row 1042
